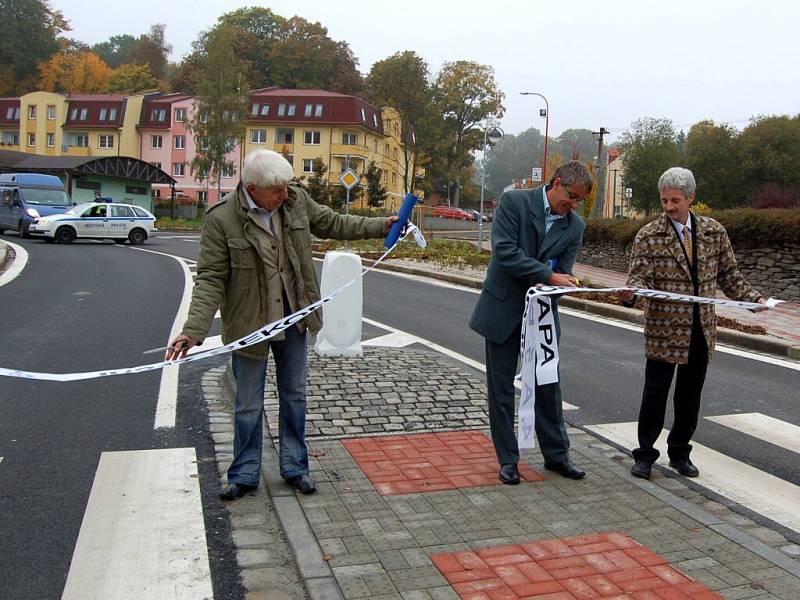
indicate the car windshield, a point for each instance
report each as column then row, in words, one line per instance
column 46, row 197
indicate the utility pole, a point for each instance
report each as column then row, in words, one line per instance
column 599, row 198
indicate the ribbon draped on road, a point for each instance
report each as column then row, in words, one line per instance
column 539, row 343
column 268, row 331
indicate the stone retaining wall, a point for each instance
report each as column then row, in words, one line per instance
column 773, row 270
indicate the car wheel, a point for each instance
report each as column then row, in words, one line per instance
column 137, row 236
column 119, row 241
column 65, row 235
column 22, row 230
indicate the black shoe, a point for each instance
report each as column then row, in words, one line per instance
column 302, row 483
column 642, row 469
column 566, row 469
column 509, row 474
column 235, row 491
column 684, row 467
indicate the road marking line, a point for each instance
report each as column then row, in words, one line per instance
column 167, row 405
column 753, row 488
column 478, row 366
column 143, row 534
column 763, row 427
column 20, row 260
column 211, row 342
column 392, row 340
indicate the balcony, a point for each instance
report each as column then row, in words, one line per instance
column 354, row 150
column 283, row 148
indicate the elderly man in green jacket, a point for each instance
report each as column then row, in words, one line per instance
column 255, row 266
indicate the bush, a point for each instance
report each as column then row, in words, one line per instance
column 438, row 251
column 165, row 223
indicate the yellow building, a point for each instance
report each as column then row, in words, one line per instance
column 343, row 131
column 617, row 202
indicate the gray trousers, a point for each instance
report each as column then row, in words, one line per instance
column 551, row 434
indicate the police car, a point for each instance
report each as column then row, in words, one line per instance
column 94, row 220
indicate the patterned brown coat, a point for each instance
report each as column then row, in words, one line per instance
column 659, row 262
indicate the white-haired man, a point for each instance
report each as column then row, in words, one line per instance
column 684, row 253
column 255, row 266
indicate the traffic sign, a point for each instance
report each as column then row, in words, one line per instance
column 349, row 179
column 536, row 173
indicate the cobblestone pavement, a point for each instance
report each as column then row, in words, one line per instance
column 351, row 542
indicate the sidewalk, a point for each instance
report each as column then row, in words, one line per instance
column 409, row 508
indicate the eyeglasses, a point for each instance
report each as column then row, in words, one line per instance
column 572, row 195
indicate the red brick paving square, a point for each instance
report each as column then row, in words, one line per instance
column 611, row 566
column 428, row 462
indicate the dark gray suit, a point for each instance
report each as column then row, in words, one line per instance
column 520, row 250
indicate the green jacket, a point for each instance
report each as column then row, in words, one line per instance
column 230, row 272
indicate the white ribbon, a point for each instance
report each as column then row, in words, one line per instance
column 268, row 331
column 539, row 346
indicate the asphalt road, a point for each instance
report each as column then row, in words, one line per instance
column 84, row 307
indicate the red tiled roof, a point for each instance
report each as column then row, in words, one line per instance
column 93, row 105
column 5, row 104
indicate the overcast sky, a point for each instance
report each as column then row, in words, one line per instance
column 598, row 63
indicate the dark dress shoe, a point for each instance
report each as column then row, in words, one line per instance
column 509, row 474
column 302, row 483
column 684, row 467
column 642, row 469
column 235, row 491
column 566, row 469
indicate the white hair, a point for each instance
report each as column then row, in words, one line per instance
column 264, row 168
column 677, row 178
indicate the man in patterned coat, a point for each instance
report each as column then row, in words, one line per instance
column 684, row 253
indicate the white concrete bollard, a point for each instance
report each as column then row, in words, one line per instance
column 341, row 317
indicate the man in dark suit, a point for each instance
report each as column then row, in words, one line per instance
column 535, row 238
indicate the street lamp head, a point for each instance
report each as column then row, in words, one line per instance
column 494, row 134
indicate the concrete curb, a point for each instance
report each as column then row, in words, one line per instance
column 766, row 344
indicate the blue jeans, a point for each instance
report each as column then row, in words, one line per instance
column 290, row 372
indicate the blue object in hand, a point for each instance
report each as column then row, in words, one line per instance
column 552, row 263
column 402, row 218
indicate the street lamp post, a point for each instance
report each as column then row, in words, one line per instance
column 489, row 133
column 546, row 128
column 574, row 146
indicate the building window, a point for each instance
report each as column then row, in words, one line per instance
column 16, row 113
column 51, row 112
column 31, row 111
column 291, row 109
column 394, row 179
column 51, row 140
column 135, row 189
column 10, row 113
column 363, row 115
column 179, row 142
column 397, row 128
column 311, row 138
column 281, row 110
column 308, row 165
column 10, row 139
column 202, row 197
column 375, row 119
column 180, row 115
column 31, row 139
column 157, row 165
column 156, row 141
column 80, row 140
column 203, row 144
column 158, row 114
column 309, row 110
column 318, row 110
column 178, row 169
column 228, row 171
column 103, row 114
column 265, row 110
column 349, row 139
column 258, row 136
column 105, row 141
column 395, row 153
column 255, row 108
column 84, row 113
column 284, row 136
column 112, row 114
column 73, row 114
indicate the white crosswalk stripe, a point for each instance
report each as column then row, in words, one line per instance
column 769, row 429
column 143, row 534
column 753, row 488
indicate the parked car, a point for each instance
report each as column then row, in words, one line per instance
column 451, row 212
column 93, row 220
column 28, row 196
column 476, row 215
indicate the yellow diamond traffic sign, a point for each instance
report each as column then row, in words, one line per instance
column 349, row 179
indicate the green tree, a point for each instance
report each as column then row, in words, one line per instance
column 376, row 193
column 512, row 158
column 401, row 81
column 218, row 122
column 712, row 155
column 769, row 152
column 29, row 34
column 117, row 50
column 153, row 50
column 466, row 96
column 131, row 78
column 650, row 149
column 257, row 29
column 317, row 184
